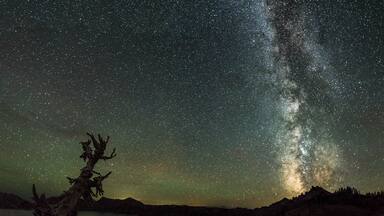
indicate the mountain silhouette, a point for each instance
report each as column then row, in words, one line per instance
column 315, row 202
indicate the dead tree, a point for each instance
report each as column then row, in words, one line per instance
column 81, row 187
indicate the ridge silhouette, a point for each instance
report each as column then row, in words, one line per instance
column 315, row 202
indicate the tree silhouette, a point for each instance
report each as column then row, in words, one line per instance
column 81, row 187
column 351, row 191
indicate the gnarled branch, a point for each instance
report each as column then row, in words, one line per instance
column 113, row 154
column 96, row 182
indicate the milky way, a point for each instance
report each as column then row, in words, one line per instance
column 219, row 102
column 307, row 153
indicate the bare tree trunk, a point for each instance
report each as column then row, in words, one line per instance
column 66, row 204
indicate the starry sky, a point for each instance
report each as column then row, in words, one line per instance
column 217, row 103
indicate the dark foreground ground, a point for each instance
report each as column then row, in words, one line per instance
column 316, row 202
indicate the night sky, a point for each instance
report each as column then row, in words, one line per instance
column 218, row 103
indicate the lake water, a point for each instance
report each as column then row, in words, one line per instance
column 6, row 212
